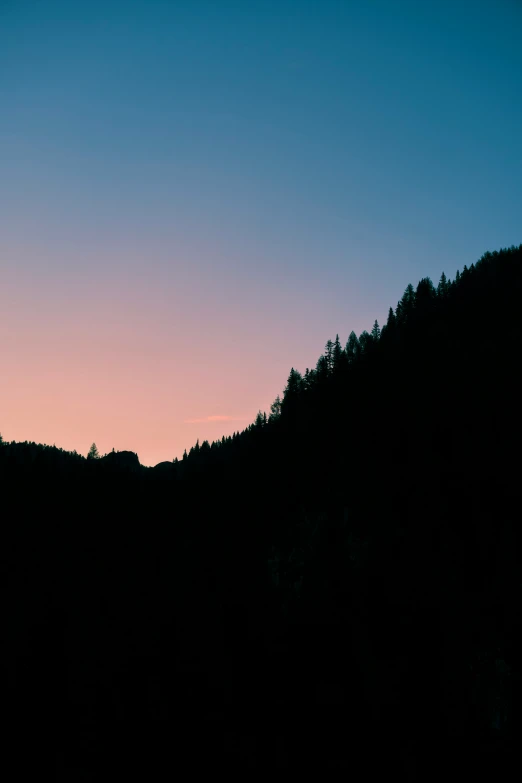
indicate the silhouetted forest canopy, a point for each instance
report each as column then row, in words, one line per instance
column 336, row 586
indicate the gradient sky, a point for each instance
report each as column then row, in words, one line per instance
column 195, row 196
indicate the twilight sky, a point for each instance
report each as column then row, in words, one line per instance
column 195, row 196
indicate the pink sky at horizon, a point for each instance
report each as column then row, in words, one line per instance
column 150, row 348
column 143, row 364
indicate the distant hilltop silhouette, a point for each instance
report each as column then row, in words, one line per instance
column 122, row 460
column 164, row 466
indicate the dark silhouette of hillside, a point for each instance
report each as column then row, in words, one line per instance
column 336, row 587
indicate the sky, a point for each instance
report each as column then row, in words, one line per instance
column 196, row 196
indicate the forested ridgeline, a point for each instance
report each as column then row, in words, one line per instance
column 338, row 584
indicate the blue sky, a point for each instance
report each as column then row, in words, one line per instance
column 261, row 173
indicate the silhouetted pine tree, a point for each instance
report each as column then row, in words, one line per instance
column 352, row 348
column 443, row 287
column 337, row 354
column 93, row 452
column 388, row 330
column 329, row 353
column 425, row 296
column 275, row 409
column 406, row 305
column 292, row 390
column 365, row 342
column 322, row 370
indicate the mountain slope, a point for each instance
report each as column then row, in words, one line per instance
column 350, row 563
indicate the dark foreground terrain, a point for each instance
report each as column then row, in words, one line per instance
column 336, row 588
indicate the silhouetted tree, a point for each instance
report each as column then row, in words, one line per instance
column 443, row 287
column 389, row 327
column 292, row 389
column 93, row 452
column 329, row 352
column 425, row 295
column 321, row 369
column 275, row 409
column 406, row 305
column 337, row 354
column 352, row 348
column 365, row 341
column 307, row 380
